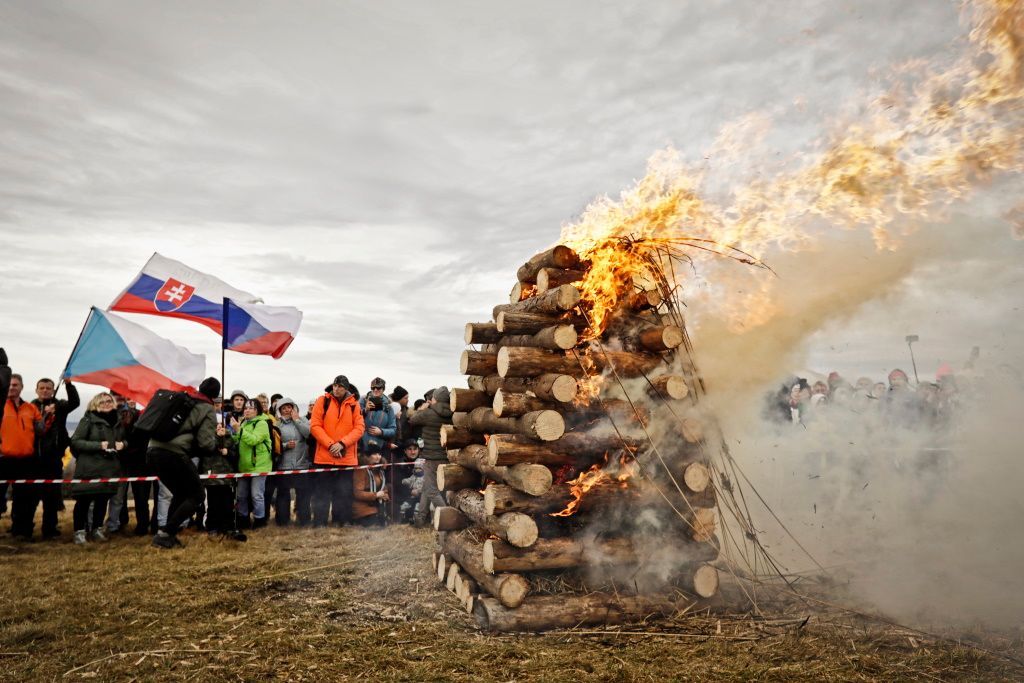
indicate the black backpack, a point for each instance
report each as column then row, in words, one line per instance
column 165, row 414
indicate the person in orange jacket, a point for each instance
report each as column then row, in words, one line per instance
column 337, row 425
column 22, row 423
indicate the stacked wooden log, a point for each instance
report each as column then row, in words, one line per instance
column 551, row 407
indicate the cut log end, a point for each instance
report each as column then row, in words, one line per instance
column 693, row 430
column 520, row 530
column 696, row 477
column 545, row 425
column 513, row 589
column 705, row 581
column 671, row 386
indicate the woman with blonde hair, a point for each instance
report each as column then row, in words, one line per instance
column 96, row 445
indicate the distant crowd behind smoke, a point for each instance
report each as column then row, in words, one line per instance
column 908, row 496
column 895, row 402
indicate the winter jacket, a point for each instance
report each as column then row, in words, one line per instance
column 198, row 434
column 54, row 440
column 432, row 419
column 217, row 463
column 22, row 423
column 91, row 461
column 383, row 418
column 334, row 422
column 365, row 484
column 253, row 440
column 296, row 430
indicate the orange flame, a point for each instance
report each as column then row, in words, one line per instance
column 919, row 149
column 593, row 478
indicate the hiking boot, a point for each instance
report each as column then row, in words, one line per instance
column 80, row 537
column 259, row 522
column 242, row 522
column 165, row 540
column 100, row 535
column 236, row 536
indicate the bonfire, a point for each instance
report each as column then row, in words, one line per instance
column 583, row 483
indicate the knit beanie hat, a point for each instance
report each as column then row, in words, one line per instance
column 399, row 393
column 210, row 388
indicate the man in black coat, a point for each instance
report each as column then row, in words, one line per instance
column 5, row 379
column 50, row 446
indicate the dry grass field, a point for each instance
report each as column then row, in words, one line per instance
column 310, row 605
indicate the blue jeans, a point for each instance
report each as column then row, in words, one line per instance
column 254, row 487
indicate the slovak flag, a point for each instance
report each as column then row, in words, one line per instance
column 170, row 288
column 258, row 329
column 129, row 359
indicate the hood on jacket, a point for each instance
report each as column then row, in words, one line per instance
column 288, row 401
column 442, row 395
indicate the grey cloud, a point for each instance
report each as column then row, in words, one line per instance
column 260, row 140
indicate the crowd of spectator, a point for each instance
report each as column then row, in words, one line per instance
column 896, row 402
column 378, row 458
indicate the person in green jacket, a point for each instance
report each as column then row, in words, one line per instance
column 96, row 444
column 252, row 437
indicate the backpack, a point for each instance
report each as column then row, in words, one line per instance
column 165, row 414
column 276, row 443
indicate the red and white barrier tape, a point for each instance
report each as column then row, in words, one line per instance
column 232, row 475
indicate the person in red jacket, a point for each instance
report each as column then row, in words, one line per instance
column 337, row 425
column 22, row 423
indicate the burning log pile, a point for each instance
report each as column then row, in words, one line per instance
column 579, row 490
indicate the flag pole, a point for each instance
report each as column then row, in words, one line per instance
column 73, row 349
column 223, row 343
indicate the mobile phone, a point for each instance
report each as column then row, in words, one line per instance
column 220, row 419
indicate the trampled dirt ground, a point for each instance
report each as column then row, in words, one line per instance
column 309, row 605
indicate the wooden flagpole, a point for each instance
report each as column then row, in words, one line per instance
column 73, row 348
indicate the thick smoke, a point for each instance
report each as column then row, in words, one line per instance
column 921, row 525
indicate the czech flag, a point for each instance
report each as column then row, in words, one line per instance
column 131, row 360
column 260, row 330
column 170, row 288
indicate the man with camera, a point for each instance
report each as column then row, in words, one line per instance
column 51, row 445
column 379, row 418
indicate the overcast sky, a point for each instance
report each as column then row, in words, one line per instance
column 386, row 166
